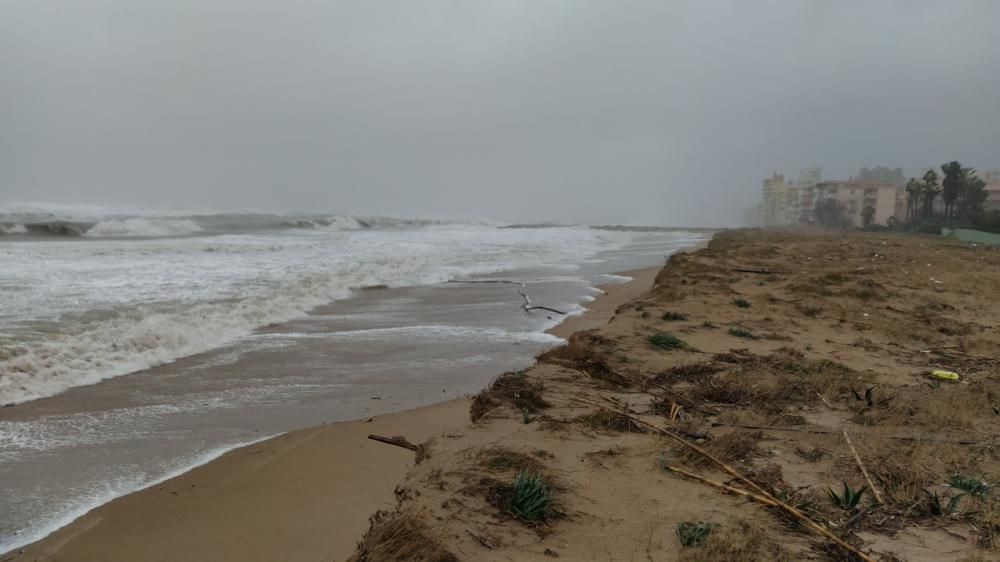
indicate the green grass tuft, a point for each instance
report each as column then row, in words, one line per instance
column 694, row 533
column 849, row 499
column 665, row 340
column 742, row 333
column 531, row 497
column 973, row 486
column 741, row 302
column 672, row 316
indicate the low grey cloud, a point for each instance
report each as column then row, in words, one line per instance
column 567, row 110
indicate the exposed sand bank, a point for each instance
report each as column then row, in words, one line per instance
column 785, row 339
column 304, row 495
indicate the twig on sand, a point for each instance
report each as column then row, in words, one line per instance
column 928, row 438
column 861, row 465
column 400, row 441
column 801, row 517
column 761, row 270
column 527, row 306
column 721, row 486
column 480, row 539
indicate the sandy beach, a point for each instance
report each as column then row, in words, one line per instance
column 769, row 348
column 304, row 495
column 719, row 416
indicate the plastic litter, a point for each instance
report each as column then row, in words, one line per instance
column 945, row 375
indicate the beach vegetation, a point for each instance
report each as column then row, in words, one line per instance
column 694, row 533
column 610, row 420
column 849, row 498
column 515, row 389
column 671, row 316
column 666, row 340
column 741, row 302
column 400, row 536
column 936, row 506
column 740, row 541
column 974, row 486
column 531, row 497
column 742, row 333
column 501, row 459
column 735, row 446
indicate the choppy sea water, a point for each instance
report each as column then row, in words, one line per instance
column 134, row 345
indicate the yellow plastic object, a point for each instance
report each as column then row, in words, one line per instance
column 946, row 375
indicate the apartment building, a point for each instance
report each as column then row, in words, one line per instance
column 786, row 202
column 887, row 200
column 992, row 180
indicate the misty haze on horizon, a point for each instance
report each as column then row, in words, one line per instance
column 630, row 112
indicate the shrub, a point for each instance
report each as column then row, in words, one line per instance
column 742, row 333
column 850, row 497
column 531, row 497
column 694, row 533
column 666, row 340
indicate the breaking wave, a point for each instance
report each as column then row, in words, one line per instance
column 143, row 227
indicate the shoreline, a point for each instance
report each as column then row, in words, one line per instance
column 366, row 474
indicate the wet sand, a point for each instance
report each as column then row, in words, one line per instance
column 304, row 495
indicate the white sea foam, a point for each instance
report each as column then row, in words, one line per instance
column 108, row 490
column 13, row 229
column 429, row 334
column 140, row 227
column 76, row 313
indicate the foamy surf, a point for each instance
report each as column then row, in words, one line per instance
column 76, row 314
column 75, row 508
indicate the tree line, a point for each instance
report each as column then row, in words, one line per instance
column 960, row 188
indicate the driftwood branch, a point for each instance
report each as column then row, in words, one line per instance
column 721, row 486
column 761, row 270
column 480, row 539
column 400, row 441
column 527, row 306
column 861, row 465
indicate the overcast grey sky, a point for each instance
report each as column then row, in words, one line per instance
column 570, row 110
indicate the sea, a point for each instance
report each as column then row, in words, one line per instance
column 137, row 343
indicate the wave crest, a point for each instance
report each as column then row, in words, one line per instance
column 139, row 227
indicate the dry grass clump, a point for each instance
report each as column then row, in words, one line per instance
column 741, row 541
column 948, row 406
column 728, row 388
column 399, row 536
column 772, row 382
column 734, row 446
column 588, row 353
column 580, row 347
column 501, row 459
column 513, row 388
column 689, row 372
column 814, row 454
column 610, row 420
column 903, row 469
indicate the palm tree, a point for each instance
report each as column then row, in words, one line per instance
column 929, row 194
column 912, row 198
column 867, row 215
column 952, row 185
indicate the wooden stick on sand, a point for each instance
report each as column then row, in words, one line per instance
column 857, row 457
